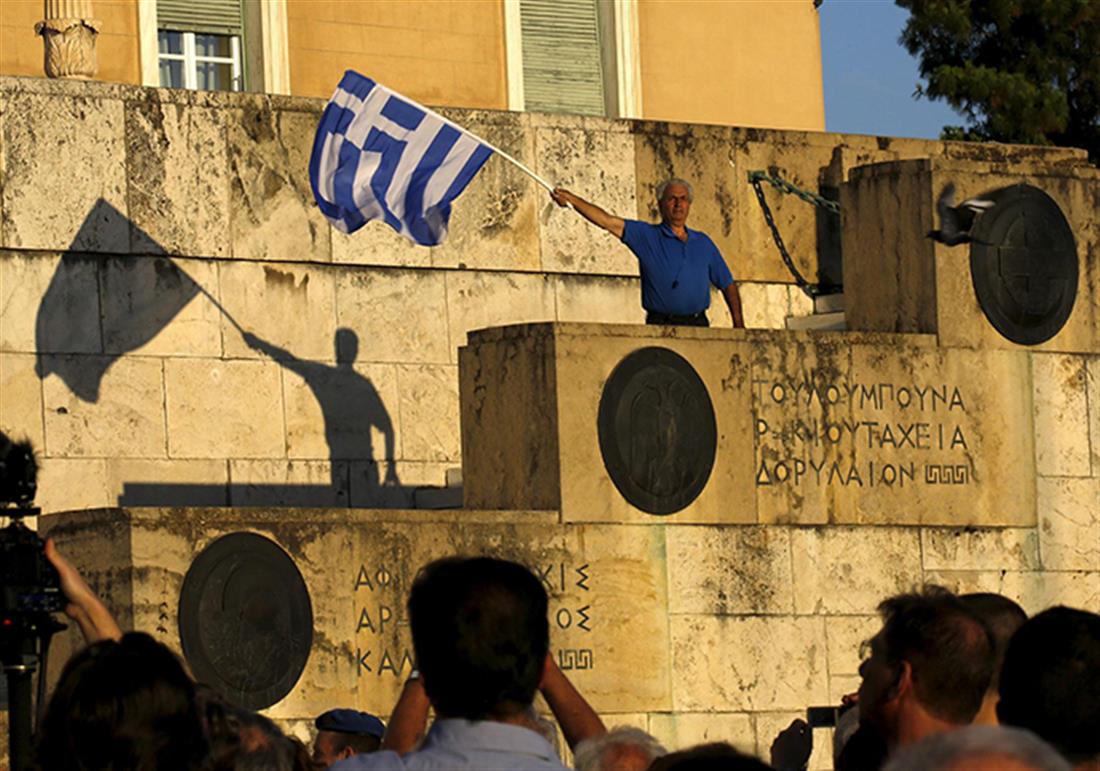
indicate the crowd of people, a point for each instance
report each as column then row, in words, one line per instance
column 948, row 683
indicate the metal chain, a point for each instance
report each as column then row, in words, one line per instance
column 755, row 178
column 786, row 187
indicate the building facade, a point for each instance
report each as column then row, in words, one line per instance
column 747, row 63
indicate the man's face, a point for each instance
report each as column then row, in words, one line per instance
column 877, row 697
column 324, row 749
column 674, row 205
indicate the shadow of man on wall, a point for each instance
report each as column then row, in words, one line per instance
column 350, row 405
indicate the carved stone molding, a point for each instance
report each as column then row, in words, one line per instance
column 68, row 35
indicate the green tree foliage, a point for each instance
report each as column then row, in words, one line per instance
column 1018, row 70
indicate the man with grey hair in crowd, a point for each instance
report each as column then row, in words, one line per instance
column 621, row 749
column 979, row 748
column 678, row 266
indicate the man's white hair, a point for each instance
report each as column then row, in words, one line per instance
column 601, row 753
column 942, row 752
column 661, row 188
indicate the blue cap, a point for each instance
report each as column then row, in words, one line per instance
column 350, row 721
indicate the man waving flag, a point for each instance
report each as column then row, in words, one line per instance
column 378, row 155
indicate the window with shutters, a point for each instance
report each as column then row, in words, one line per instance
column 199, row 44
column 565, row 46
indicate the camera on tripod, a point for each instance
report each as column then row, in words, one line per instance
column 30, row 593
column 29, row 585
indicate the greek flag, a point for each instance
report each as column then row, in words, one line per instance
column 378, row 155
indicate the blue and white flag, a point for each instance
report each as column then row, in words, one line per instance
column 378, row 155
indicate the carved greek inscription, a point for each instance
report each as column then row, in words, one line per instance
column 820, row 432
column 575, row 658
column 383, row 647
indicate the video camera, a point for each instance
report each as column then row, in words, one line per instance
column 29, row 584
column 30, row 593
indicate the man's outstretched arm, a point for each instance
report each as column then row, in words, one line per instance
column 594, row 214
column 733, row 302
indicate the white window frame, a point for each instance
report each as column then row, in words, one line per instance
column 191, row 59
column 627, row 78
column 272, row 38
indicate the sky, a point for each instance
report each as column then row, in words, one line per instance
column 870, row 77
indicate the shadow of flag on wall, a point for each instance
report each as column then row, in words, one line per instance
column 138, row 296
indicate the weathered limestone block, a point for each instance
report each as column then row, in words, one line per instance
column 340, row 411
column 371, row 489
column 48, row 196
column 494, row 224
column 595, row 159
column 896, row 279
column 429, row 412
column 1069, row 523
column 723, row 571
column 193, row 482
column 476, row 300
column 20, row 398
column 731, row 663
column 25, row 278
column 272, row 212
column 399, row 315
column 1093, row 374
column 889, row 265
column 845, row 636
column 139, row 292
column 289, row 483
column 291, row 307
column 223, row 409
column 1034, row 590
column 376, row 243
column 853, row 429
column 679, row 731
column 606, row 589
column 844, row 428
column 547, row 380
column 849, row 570
column 177, row 165
column 598, row 299
column 1061, row 415
column 979, row 549
column 126, row 420
column 765, row 306
column 70, row 484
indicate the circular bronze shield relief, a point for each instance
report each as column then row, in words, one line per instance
column 657, row 430
column 1023, row 261
column 246, row 622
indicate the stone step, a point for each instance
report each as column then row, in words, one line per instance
column 821, row 321
column 829, row 303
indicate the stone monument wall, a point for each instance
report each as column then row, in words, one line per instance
column 142, row 230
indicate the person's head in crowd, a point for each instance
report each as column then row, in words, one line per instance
column 1050, row 682
column 480, row 633
column 979, row 748
column 621, row 749
column 264, row 747
column 718, row 756
column 928, row 669
column 1002, row 617
column 123, row 705
column 342, row 733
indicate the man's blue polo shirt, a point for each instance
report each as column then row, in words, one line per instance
column 676, row 275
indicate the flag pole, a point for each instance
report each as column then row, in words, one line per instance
column 466, row 131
